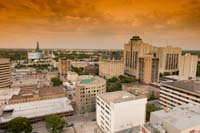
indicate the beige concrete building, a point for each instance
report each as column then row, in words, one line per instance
column 181, row 119
column 188, row 66
column 177, row 93
column 5, row 73
column 169, row 59
column 64, row 66
column 109, row 68
column 87, row 87
column 148, row 69
column 136, row 48
column 140, row 89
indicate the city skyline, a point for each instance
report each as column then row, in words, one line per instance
column 92, row 24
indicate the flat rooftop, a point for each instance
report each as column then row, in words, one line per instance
column 89, row 79
column 190, row 85
column 37, row 108
column 44, row 91
column 118, row 97
column 181, row 117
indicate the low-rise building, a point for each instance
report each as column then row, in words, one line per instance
column 36, row 110
column 6, row 94
column 181, row 119
column 120, row 111
column 72, row 76
column 87, row 87
column 109, row 68
column 28, row 95
column 179, row 92
column 140, row 89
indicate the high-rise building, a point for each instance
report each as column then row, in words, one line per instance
column 169, row 59
column 136, row 49
column 179, row 92
column 109, row 68
column 5, row 73
column 148, row 69
column 181, row 119
column 64, row 66
column 120, row 111
column 188, row 66
column 87, row 87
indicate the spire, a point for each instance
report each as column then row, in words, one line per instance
column 37, row 48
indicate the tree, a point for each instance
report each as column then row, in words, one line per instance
column 56, row 81
column 20, row 124
column 54, row 124
column 125, row 79
column 151, row 108
column 113, row 79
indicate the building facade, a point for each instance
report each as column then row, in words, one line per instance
column 37, row 54
column 87, row 87
column 148, row 69
column 136, row 48
column 119, row 111
column 64, row 66
column 179, row 92
column 5, row 73
column 188, row 66
column 111, row 68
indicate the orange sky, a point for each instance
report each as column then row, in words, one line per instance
column 98, row 23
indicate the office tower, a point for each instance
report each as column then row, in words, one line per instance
column 136, row 48
column 148, row 69
column 188, row 66
column 109, row 68
column 120, row 111
column 5, row 73
column 64, row 66
column 87, row 87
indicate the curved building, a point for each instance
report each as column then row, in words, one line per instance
column 5, row 73
column 87, row 87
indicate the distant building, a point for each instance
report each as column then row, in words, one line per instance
column 64, row 66
column 179, row 92
column 80, row 64
column 188, row 66
column 181, row 119
column 136, row 49
column 91, row 69
column 36, row 55
column 6, row 94
column 72, row 76
column 109, row 68
column 28, row 95
column 5, row 73
column 148, row 69
column 120, row 111
column 36, row 110
column 87, row 87
column 140, row 89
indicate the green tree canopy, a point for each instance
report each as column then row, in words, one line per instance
column 56, row 81
column 19, row 124
column 54, row 124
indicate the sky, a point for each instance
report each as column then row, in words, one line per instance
column 99, row 24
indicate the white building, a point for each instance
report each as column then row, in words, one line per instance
column 120, row 110
column 179, row 92
column 188, row 66
column 6, row 94
column 182, row 119
column 36, row 109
